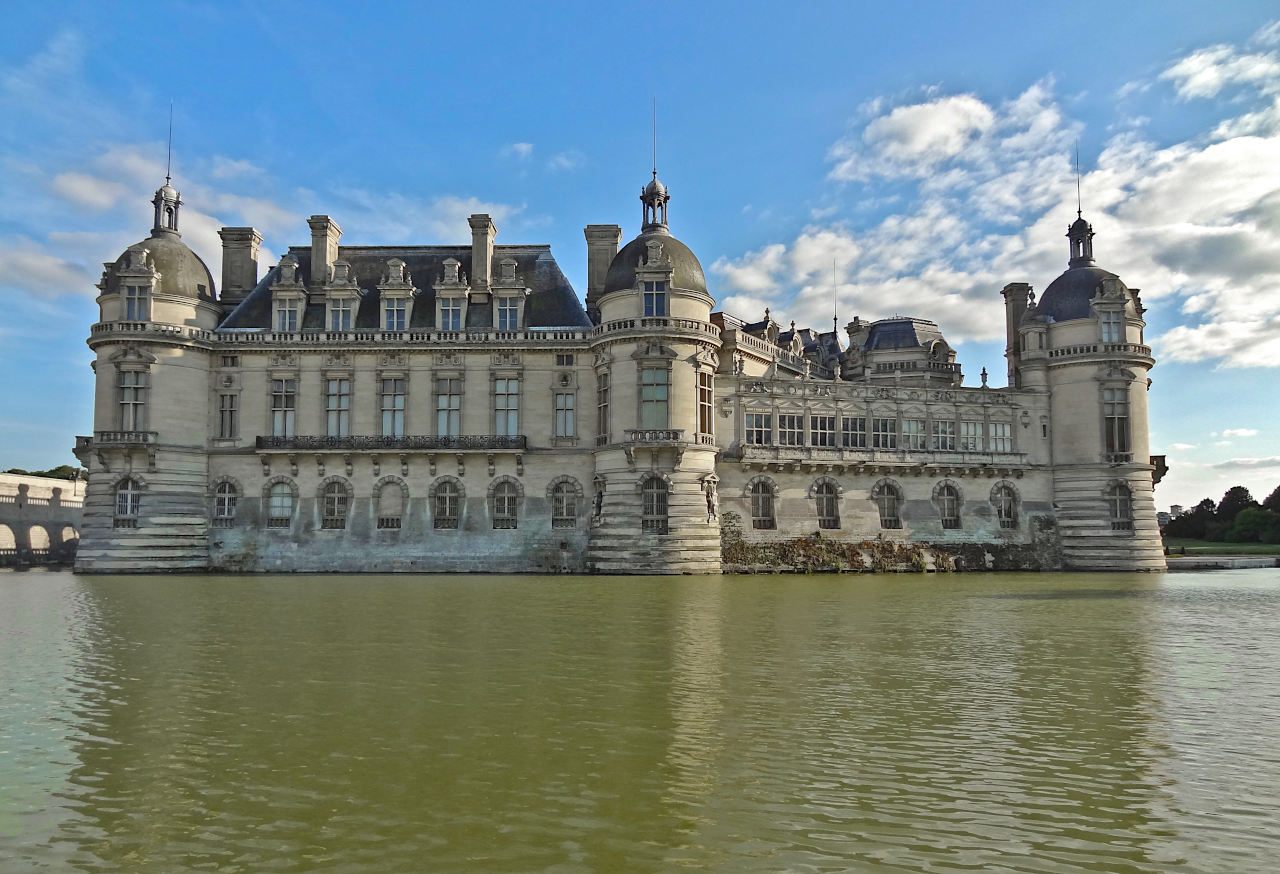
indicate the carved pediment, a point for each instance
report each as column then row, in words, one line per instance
column 654, row 350
column 133, row 354
column 288, row 274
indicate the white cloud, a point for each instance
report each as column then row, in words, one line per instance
column 88, row 191
column 231, row 168
column 1182, row 447
column 567, row 160
column 1240, row 432
column 519, row 151
column 27, row 267
column 1206, row 72
column 1248, row 463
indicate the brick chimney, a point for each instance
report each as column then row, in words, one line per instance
column 483, row 230
column 602, row 246
column 325, row 234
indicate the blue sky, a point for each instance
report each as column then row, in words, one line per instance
column 887, row 158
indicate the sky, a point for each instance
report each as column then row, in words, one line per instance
column 862, row 159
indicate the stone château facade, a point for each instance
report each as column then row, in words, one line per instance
column 458, row 408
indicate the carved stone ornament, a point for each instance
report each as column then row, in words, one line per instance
column 506, row 359
column 507, row 271
column 288, row 271
column 654, row 256
column 337, row 359
column 758, row 388
column 138, row 258
column 284, row 359
column 448, row 359
column 394, row 272
column 393, row 359
column 450, row 275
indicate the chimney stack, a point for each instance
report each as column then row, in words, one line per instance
column 239, row 263
column 602, row 246
column 325, row 234
column 483, row 230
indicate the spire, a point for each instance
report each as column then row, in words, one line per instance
column 167, row 200
column 654, row 197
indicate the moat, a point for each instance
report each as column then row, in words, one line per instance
column 1010, row 722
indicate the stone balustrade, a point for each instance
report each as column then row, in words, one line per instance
column 375, row 442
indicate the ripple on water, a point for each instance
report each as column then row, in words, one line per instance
column 994, row 723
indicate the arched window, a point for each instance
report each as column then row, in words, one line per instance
column 334, row 501
column 762, row 505
column 947, row 498
column 506, row 498
column 654, row 510
column 1120, row 506
column 1006, row 502
column 224, row 505
column 38, row 538
column 564, row 506
column 889, row 501
column 447, row 504
column 828, row 500
column 128, row 499
column 8, row 543
column 390, row 505
column 279, row 506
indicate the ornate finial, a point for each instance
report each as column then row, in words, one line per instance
column 984, row 377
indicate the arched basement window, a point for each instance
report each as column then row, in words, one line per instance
column 654, row 511
column 762, row 505
column 828, row 505
column 889, row 501
column 948, row 498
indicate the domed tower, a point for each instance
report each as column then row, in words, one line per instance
column 1083, row 344
column 655, row 355
column 145, row 505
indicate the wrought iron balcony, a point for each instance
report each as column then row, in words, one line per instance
column 374, row 443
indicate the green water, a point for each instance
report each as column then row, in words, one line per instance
column 740, row 724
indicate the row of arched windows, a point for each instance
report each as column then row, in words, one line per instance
column 886, row 495
column 390, row 498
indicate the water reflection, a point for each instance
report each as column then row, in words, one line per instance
column 730, row 724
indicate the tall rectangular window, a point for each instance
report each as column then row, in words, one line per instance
column 340, row 314
column 392, row 403
column 448, row 407
column 759, row 427
column 884, row 433
column 564, row 359
column 133, row 400
column 706, row 394
column 970, row 436
column 337, row 407
column 913, row 434
column 228, row 416
column 1115, row 414
column 944, row 436
column 506, row 407
column 822, row 431
column 287, row 315
column 284, row 406
column 602, row 408
column 853, row 433
column 1112, row 327
column 655, row 298
column 394, row 312
column 653, row 397
column 450, row 314
column 508, row 313
column 137, row 303
column 564, row 426
column 1001, row 434
column 790, row 430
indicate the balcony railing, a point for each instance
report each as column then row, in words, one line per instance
column 661, row 322
column 121, row 438
column 846, row 455
column 654, row 435
column 373, row 443
column 1101, row 348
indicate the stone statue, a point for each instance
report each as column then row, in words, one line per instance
column 710, row 492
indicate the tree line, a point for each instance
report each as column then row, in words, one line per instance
column 62, row 471
column 1237, row 518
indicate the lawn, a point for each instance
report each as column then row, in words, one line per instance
column 1175, row 546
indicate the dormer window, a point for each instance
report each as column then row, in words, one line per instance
column 137, row 303
column 287, row 311
column 450, row 314
column 340, row 314
column 1112, row 326
column 394, row 314
column 508, row 311
column 655, row 298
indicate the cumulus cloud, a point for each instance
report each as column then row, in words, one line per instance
column 27, row 267
column 1240, row 432
column 987, row 190
column 88, row 191
column 567, row 160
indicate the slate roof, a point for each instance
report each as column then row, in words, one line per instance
column 182, row 273
column 1068, row 296
column 903, row 333
column 552, row 302
column 687, row 271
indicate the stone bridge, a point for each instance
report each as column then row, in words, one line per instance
column 39, row 520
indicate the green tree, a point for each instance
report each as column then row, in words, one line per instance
column 1236, row 499
column 1255, row 526
column 1273, row 501
column 1192, row 524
